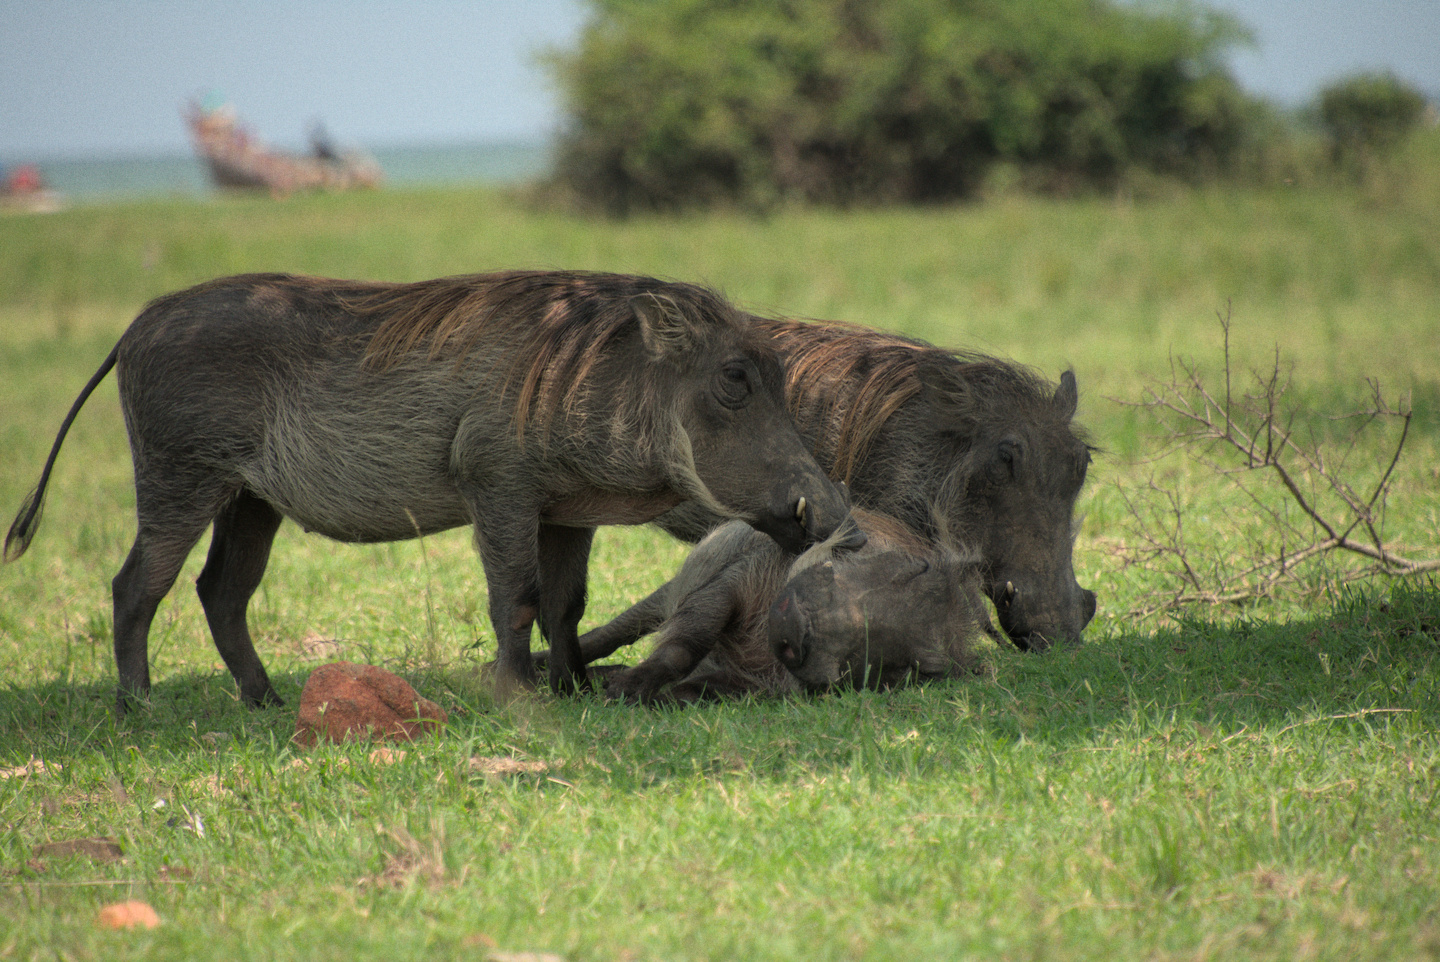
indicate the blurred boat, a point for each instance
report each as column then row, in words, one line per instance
column 239, row 160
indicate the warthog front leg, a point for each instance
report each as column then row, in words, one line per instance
column 628, row 627
column 713, row 686
column 687, row 637
column 564, row 564
column 507, row 537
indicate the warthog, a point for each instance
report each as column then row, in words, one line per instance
column 874, row 606
column 954, row 445
column 530, row 405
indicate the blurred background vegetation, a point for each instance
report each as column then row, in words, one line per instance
column 754, row 103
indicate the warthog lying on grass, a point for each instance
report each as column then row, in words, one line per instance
column 532, row 406
column 952, row 444
column 872, row 606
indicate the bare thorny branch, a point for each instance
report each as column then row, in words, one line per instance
column 1251, row 438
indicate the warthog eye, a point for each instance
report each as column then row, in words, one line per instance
column 734, row 387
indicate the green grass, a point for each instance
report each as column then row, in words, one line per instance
column 1257, row 782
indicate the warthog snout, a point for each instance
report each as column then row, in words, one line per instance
column 804, row 513
column 1035, row 620
column 789, row 632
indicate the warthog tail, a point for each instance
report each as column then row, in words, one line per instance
column 22, row 530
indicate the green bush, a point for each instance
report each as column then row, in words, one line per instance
column 693, row 102
column 1367, row 116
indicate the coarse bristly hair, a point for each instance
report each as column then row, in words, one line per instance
column 564, row 321
column 857, row 378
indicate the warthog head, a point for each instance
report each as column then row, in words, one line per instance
column 878, row 616
column 742, row 455
column 1025, row 471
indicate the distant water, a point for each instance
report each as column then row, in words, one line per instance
column 133, row 177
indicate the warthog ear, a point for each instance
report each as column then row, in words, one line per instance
column 664, row 326
column 1067, row 396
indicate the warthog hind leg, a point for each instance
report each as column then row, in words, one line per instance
column 163, row 540
column 239, row 552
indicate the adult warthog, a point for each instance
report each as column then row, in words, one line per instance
column 873, row 606
column 530, row 405
column 955, row 445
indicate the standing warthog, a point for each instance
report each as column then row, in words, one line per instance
column 952, row 444
column 530, row 405
column 874, row 606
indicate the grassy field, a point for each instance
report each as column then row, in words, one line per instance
column 1256, row 782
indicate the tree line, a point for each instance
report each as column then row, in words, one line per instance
column 683, row 103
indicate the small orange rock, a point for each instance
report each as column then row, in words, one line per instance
column 128, row 915
column 386, row 756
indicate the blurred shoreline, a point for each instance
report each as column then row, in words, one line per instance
column 126, row 176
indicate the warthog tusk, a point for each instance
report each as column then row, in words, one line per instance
column 800, row 510
column 1009, row 591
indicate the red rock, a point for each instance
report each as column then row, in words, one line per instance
column 344, row 701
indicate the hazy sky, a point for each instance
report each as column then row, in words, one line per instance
column 1304, row 44
column 80, row 77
